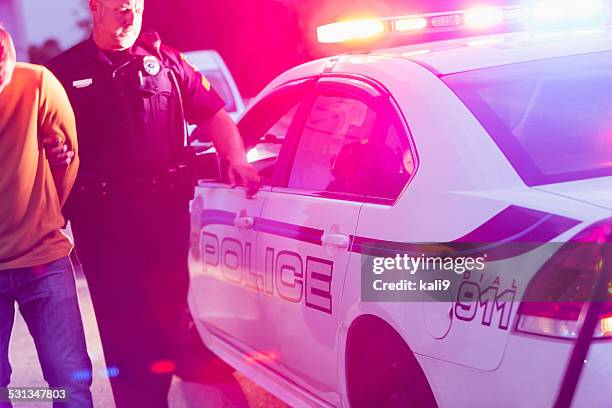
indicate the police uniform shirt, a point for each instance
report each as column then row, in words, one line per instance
column 127, row 106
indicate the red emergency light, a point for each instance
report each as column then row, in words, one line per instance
column 533, row 15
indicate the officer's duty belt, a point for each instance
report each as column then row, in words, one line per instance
column 91, row 186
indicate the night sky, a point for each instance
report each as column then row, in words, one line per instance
column 261, row 38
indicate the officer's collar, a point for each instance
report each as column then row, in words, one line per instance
column 139, row 49
column 146, row 46
column 95, row 53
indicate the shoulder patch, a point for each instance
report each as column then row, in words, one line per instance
column 191, row 64
column 205, row 83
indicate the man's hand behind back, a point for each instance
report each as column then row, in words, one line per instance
column 58, row 153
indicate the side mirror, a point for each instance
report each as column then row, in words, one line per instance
column 271, row 138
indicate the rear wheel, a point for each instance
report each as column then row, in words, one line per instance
column 383, row 372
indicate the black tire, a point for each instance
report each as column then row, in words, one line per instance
column 383, row 373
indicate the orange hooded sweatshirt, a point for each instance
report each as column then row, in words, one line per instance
column 33, row 105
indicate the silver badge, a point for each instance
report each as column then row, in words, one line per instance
column 151, row 65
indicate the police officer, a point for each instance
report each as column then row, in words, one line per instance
column 129, row 209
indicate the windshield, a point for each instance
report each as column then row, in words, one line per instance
column 220, row 85
column 551, row 118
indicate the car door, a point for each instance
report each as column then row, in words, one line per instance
column 223, row 221
column 306, row 227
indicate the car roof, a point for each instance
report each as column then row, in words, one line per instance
column 465, row 54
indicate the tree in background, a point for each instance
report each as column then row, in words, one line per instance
column 83, row 18
column 41, row 54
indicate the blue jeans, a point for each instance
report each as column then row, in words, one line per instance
column 47, row 300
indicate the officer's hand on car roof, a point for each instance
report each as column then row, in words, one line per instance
column 244, row 174
column 57, row 151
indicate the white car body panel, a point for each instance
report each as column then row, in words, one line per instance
column 594, row 191
column 225, row 305
column 466, row 363
column 307, row 343
column 490, row 51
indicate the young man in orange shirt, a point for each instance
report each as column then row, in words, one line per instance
column 35, row 270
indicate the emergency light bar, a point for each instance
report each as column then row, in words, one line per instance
column 542, row 14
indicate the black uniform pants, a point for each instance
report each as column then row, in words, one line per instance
column 134, row 255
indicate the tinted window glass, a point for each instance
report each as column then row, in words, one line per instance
column 333, row 148
column 265, row 127
column 551, row 118
column 393, row 164
column 264, row 155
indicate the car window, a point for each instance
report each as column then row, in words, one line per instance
column 393, row 164
column 333, row 149
column 551, row 118
column 265, row 127
column 264, row 155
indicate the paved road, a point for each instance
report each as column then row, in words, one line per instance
column 230, row 390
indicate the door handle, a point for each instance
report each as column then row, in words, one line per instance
column 244, row 222
column 336, row 240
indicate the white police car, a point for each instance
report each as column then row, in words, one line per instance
column 502, row 140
